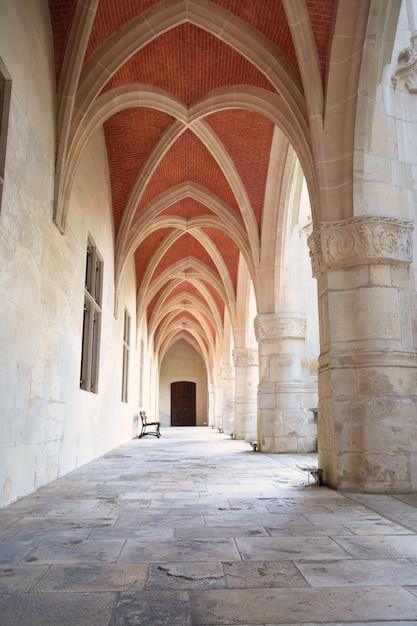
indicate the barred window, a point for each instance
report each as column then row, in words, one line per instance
column 90, row 351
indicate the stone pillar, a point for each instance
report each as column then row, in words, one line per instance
column 211, row 405
column 367, row 414
column 246, row 393
column 285, row 419
column 228, row 377
column 218, row 401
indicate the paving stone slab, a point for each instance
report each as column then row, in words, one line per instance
column 152, row 608
column 20, row 578
column 299, row 508
column 189, row 575
column 8, row 533
column 220, row 531
column 381, row 547
column 153, row 522
column 179, row 550
column 285, row 530
column 262, row 574
column 61, row 523
column 41, row 506
column 118, row 510
column 142, row 532
column 57, row 609
column 67, row 552
column 391, row 507
column 7, row 519
column 290, row 548
column 43, row 534
column 188, row 511
column 359, row 524
column 280, row 606
column 251, row 503
column 11, row 551
column 80, row 514
column 252, row 518
column 359, row 572
column 92, row 578
column 141, row 496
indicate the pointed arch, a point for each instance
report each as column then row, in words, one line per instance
column 123, row 43
column 199, row 269
column 177, row 303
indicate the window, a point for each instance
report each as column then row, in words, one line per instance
column 92, row 320
column 126, row 350
column 5, row 93
column 142, row 352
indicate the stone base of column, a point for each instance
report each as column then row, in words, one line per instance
column 287, row 418
column 245, row 424
column 246, row 385
column 369, row 444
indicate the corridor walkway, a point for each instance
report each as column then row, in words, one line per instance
column 196, row 529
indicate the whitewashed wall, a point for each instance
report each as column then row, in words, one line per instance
column 48, row 426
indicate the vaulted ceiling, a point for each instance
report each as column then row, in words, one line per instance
column 188, row 93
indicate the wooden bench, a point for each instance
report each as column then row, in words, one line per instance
column 145, row 425
column 315, row 472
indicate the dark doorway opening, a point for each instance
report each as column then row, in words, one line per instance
column 183, row 403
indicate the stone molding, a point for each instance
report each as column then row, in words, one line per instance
column 369, row 359
column 274, row 326
column 407, row 70
column 245, row 356
column 359, row 241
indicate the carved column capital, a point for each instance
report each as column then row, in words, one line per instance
column 277, row 326
column 360, row 241
column 245, row 356
column 407, row 67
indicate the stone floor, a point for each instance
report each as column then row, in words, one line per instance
column 196, row 529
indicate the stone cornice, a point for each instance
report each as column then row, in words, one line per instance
column 277, row 326
column 361, row 240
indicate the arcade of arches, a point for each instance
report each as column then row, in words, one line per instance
column 207, row 212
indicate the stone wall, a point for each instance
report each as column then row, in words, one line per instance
column 48, row 426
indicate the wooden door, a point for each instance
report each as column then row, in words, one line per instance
column 183, row 404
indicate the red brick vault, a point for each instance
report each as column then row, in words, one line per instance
column 188, row 93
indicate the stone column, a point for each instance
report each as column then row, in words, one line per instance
column 285, row 419
column 367, row 417
column 228, row 378
column 211, row 405
column 218, row 401
column 246, row 393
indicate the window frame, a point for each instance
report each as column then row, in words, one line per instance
column 141, row 367
column 126, row 356
column 90, row 346
column 5, row 98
